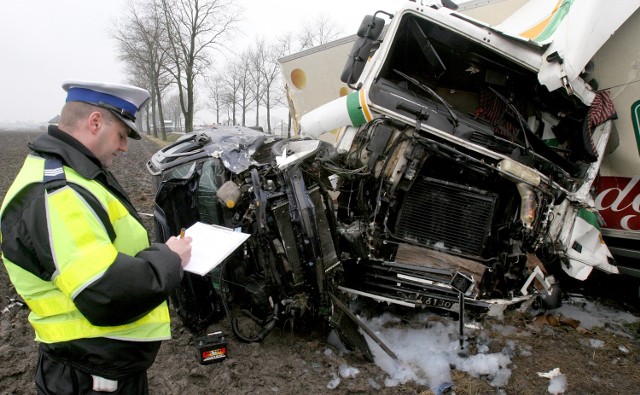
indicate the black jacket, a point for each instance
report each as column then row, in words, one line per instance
column 123, row 294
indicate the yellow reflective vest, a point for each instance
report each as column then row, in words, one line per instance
column 82, row 250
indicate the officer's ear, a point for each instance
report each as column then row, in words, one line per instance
column 95, row 121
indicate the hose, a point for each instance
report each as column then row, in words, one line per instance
column 266, row 329
column 268, row 324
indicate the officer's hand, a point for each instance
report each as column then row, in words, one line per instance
column 181, row 247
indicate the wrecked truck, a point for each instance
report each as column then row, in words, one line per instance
column 456, row 168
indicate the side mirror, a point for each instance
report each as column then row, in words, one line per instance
column 368, row 32
column 370, row 27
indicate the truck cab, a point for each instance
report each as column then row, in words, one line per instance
column 502, row 134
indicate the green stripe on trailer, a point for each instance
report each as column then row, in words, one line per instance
column 635, row 120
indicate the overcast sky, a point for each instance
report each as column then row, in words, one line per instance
column 45, row 42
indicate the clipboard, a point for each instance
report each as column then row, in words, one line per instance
column 211, row 245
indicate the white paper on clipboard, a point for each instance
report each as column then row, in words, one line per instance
column 211, row 245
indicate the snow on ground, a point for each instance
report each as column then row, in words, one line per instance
column 428, row 347
column 594, row 315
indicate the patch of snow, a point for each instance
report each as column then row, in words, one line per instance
column 427, row 353
column 347, row 371
column 623, row 349
column 429, row 348
column 595, row 343
column 596, row 315
column 374, row 384
column 558, row 384
column 526, row 350
column 335, row 381
column 506, row 330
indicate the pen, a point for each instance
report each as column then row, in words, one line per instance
column 182, row 233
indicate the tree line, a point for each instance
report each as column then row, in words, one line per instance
column 182, row 52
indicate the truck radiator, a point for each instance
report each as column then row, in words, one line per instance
column 446, row 216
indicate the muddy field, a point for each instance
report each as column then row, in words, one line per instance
column 290, row 362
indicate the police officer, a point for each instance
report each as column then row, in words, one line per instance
column 78, row 254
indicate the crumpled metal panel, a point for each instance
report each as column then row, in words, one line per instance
column 235, row 145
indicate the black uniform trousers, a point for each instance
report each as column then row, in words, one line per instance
column 55, row 377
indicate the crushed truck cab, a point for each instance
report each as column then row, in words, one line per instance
column 441, row 162
column 488, row 141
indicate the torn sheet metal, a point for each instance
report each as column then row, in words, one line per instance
column 586, row 247
column 573, row 30
column 235, row 146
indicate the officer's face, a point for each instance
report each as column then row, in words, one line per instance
column 112, row 139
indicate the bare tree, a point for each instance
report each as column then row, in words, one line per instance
column 231, row 87
column 215, row 87
column 273, row 90
column 243, row 76
column 136, row 79
column 319, row 31
column 174, row 111
column 256, row 58
column 139, row 40
column 194, row 27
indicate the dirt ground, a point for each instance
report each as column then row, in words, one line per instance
column 289, row 362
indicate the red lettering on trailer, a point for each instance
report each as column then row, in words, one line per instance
column 618, row 201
